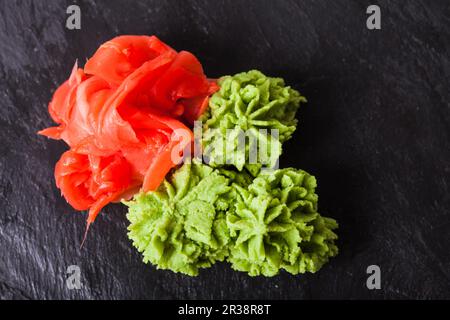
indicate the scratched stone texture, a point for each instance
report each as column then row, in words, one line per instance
column 375, row 133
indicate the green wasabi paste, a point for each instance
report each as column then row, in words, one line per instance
column 275, row 225
column 260, row 221
column 182, row 226
column 252, row 109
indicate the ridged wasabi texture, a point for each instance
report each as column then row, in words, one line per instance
column 245, row 104
column 259, row 221
column 182, row 225
column 276, row 225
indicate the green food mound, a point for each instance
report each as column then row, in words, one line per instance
column 182, row 225
column 276, row 225
column 241, row 117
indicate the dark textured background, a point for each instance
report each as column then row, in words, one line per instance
column 375, row 133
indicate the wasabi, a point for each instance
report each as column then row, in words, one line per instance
column 254, row 110
column 276, row 225
column 260, row 221
column 182, row 226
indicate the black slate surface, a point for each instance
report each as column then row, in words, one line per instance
column 375, row 133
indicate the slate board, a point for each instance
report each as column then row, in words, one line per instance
column 375, row 133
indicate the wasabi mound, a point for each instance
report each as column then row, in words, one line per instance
column 181, row 226
column 250, row 111
column 276, row 225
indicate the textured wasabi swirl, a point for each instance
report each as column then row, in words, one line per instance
column 182, row 225
column 249, row 105
column 275, row 225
